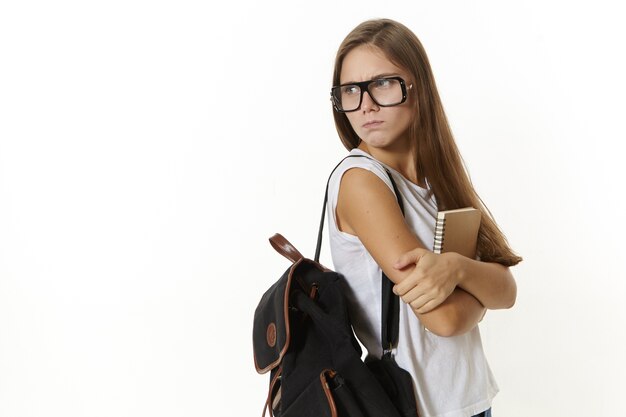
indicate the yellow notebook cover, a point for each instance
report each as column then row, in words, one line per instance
column 457, row 231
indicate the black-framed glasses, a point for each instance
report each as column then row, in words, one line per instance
column 385, row 92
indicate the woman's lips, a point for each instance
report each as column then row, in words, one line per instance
column 372, row 123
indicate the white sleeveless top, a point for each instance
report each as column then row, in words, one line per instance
column 450, row 374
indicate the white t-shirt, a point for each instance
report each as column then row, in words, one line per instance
column 450, row 374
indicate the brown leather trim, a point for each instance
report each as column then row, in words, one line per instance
column 329, row 395
column 269, row 402
column 290, row 279
column 313, row 292
column 286, row 315
column 285, row 248
column 277, row 398
column 270, row 334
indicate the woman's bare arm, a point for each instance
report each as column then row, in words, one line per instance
column 367, row 208
column 491, row 283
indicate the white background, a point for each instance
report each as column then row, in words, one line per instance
column 149, row 149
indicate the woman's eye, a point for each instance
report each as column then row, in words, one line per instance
column 351, row 89
column 382, row 83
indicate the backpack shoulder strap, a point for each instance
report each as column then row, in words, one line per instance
column 318, row 246
column 390, row 301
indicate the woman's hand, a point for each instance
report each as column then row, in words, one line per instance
column 432, row 281
column 368, row 209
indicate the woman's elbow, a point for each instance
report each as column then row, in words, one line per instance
column 512, row 301
column 450, row 325
column 447, row 330
column 511, row 296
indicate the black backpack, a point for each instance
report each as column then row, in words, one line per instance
column 303, row 336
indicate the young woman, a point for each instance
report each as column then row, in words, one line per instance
column 386, row 106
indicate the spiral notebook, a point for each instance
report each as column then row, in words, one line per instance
column 457, row 231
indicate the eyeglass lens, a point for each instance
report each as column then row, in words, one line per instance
column 384, row 92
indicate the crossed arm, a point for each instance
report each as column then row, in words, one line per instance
column 449, row 293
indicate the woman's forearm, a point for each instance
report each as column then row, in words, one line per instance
column 458, row 314
column 491, row 283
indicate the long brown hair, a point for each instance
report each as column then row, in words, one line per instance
column 437, row 157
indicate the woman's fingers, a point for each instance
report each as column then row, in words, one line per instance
column 405, row 286
column 423, row 298
column 410, row 257
column 412, row 295
column 427, row 307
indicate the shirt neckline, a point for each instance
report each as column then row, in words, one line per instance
column 406, row 180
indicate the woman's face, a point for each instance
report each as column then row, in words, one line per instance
column 378, row 127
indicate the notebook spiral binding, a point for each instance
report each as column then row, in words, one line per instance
column 439, row 229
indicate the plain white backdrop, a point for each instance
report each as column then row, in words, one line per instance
column 149, row 149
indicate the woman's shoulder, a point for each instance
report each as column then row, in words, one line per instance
column 360, row 159
column 359, row 178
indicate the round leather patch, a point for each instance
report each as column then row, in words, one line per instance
column 271, row 334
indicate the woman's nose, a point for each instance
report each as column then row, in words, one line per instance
column 367, row 103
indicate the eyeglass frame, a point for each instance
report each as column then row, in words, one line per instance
column 364, row 86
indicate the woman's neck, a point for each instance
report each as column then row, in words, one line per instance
column 399, row 158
